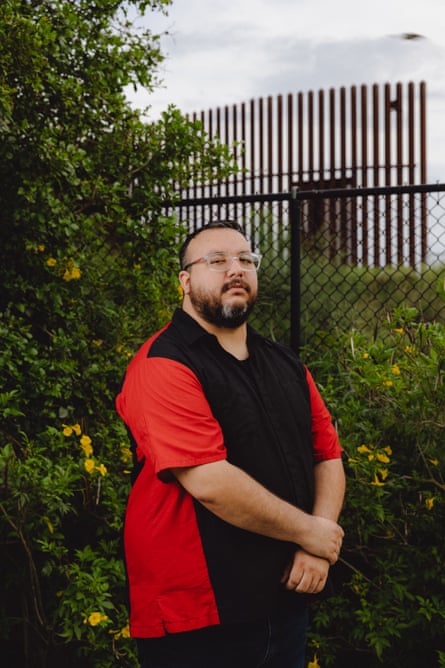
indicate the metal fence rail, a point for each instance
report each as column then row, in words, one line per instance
column 336, row 259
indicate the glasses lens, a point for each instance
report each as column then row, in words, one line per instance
column 218, row 261
column 248, row 261
column 223, row 262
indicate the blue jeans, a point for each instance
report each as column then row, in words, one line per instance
column 275, row 642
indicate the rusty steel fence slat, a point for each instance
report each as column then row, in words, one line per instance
column 359, row 136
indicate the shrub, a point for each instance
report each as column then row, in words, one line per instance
column 387, row 394
column 87, row 272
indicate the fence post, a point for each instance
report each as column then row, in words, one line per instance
column 295, row 270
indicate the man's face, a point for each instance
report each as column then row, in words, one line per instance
column 222, row 298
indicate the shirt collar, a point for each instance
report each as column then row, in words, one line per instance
column 192, row 331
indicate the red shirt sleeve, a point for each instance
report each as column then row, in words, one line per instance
column 324, row 435
column 163, row 404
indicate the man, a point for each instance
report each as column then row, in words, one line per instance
column 231, row 523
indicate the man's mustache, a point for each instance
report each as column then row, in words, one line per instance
column 236, row 283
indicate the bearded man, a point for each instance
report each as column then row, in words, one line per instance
column 231, row 523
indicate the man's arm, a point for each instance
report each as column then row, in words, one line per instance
column 329, row 488
column 308, row 573
column 238, row 499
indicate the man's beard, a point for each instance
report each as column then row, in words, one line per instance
column 213, row 311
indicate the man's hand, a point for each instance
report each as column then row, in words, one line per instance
column 306, row 574
column 323, row 538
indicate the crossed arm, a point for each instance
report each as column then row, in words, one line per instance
column 235, row 497
column 308, row 572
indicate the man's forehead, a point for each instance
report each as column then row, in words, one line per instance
column 220, row 238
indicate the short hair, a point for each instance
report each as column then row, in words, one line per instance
column 216, row 224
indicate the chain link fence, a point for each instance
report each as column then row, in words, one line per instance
column 337, row 259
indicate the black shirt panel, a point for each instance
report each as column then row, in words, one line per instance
column 264, row 414
column 263, row 408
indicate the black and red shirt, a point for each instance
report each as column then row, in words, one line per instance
column 186, row 402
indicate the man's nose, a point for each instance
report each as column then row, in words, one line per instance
column 235, row 266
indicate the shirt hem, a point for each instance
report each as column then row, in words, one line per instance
column 166, row 628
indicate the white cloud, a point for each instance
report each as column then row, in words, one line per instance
column 227, row 51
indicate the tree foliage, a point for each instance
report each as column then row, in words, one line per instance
column 87, row 260
column 387, row 393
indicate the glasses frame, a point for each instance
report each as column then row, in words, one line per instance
column 206, row 258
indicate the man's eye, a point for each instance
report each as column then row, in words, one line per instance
column 219, row 259
column 246, row 260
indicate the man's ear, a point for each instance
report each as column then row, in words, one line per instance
column 184, row 279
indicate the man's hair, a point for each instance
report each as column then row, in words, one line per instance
column 229, row 224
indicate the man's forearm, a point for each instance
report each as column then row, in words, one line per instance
column 235, row 497
column 307, row 573
column 329, row 488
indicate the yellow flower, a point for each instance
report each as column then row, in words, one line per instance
column 85, row 441
column 68, row 429
column 399, row 330
column 377, row 482
column 388, row 383
column 123, row 633
column 388, row 450
column 36, row 249
column 408, row 349
column 365, row 356
column 383, row 473
column 434, row 462
column 314, row 663
column 121, row 349
column 87, row 450
column 85, row 444
column 126, row 455
column 429, row 503
column 371, row 457
column 382, row 458
column 51, row 262
column 96, row 618
column 72, row 274
column 395, row 370
column 89, row 465
column 97, row 342
column 102, row 469
column 362, row 449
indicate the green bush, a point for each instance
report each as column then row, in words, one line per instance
column 387, row 394
column 87, row 272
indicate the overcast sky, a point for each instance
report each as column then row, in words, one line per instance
column 222, row 52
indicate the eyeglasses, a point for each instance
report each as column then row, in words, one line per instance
column 223, row 262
